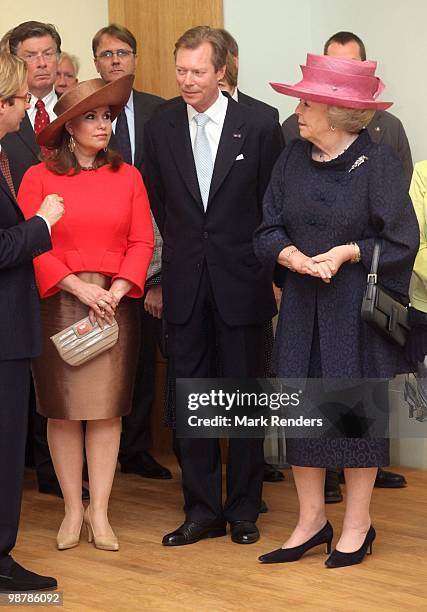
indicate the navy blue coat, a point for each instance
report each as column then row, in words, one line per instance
column 20, row 242
column 317, row 206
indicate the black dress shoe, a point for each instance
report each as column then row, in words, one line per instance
column 263, row 507
column 341, row 559
column 272, row 474
column 333, row 493
column 190, row 532
column 20, row 579
column 389, row 480
column 145, row 465
column 244, row 532
column 53, row 488
column 286, row 555
column 385, row 480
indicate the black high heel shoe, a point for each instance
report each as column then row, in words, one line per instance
column 341, row 559
column 285, row 555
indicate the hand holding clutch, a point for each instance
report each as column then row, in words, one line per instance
column 84, row 340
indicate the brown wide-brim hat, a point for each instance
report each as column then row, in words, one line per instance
column 83, row 97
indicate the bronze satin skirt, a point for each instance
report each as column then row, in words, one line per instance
column 98, row 389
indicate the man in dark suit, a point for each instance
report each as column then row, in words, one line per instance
column 20, row 333
column 39, row 45
column 114, row 50
column 383, row 128
column 208, row 162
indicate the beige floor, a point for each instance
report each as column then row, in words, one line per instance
column 217, row 575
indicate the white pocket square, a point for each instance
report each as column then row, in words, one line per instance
column 240, row 157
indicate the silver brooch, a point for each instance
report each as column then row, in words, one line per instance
column 359, row 161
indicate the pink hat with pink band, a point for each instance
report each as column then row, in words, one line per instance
column 339, row 82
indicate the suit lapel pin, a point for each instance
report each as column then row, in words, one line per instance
column 237, row 135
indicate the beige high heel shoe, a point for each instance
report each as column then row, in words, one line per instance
column 68, row 540
column 106, row 542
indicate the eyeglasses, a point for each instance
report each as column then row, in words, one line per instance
column 27, row 97
column 120, row 53
column 48, row 56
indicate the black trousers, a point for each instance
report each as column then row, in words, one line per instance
column 193, row 350
column 14, row 391
column 136, row 427
column 38, row 432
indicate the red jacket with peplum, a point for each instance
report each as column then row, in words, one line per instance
column 106, row 226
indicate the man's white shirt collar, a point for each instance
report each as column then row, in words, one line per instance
column 216, row 112
column 49, row 102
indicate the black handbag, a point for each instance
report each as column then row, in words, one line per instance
column 382, row 311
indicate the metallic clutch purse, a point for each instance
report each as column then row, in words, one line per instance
column 83, row 341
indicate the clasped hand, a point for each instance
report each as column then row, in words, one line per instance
column 102, row 303
column 324, row 265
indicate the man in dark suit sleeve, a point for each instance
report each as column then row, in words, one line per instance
column 216, row 296
column 20, row 333
column 114, row 49
column 384, row 128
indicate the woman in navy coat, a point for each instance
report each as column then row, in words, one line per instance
column 329, row 197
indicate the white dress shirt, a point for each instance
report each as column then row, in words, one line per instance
column 49, row 102
column 130, row 117
column 216, row 113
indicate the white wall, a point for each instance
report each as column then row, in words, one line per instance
column 76, row 21
column 275, row 35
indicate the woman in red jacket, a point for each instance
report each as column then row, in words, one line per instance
column 101, row 251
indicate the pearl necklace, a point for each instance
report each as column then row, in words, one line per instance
column 322, row 155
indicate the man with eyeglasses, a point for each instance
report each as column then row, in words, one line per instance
column 39, row 45
column 114, row 51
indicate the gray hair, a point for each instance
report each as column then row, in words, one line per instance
column 73, row 59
